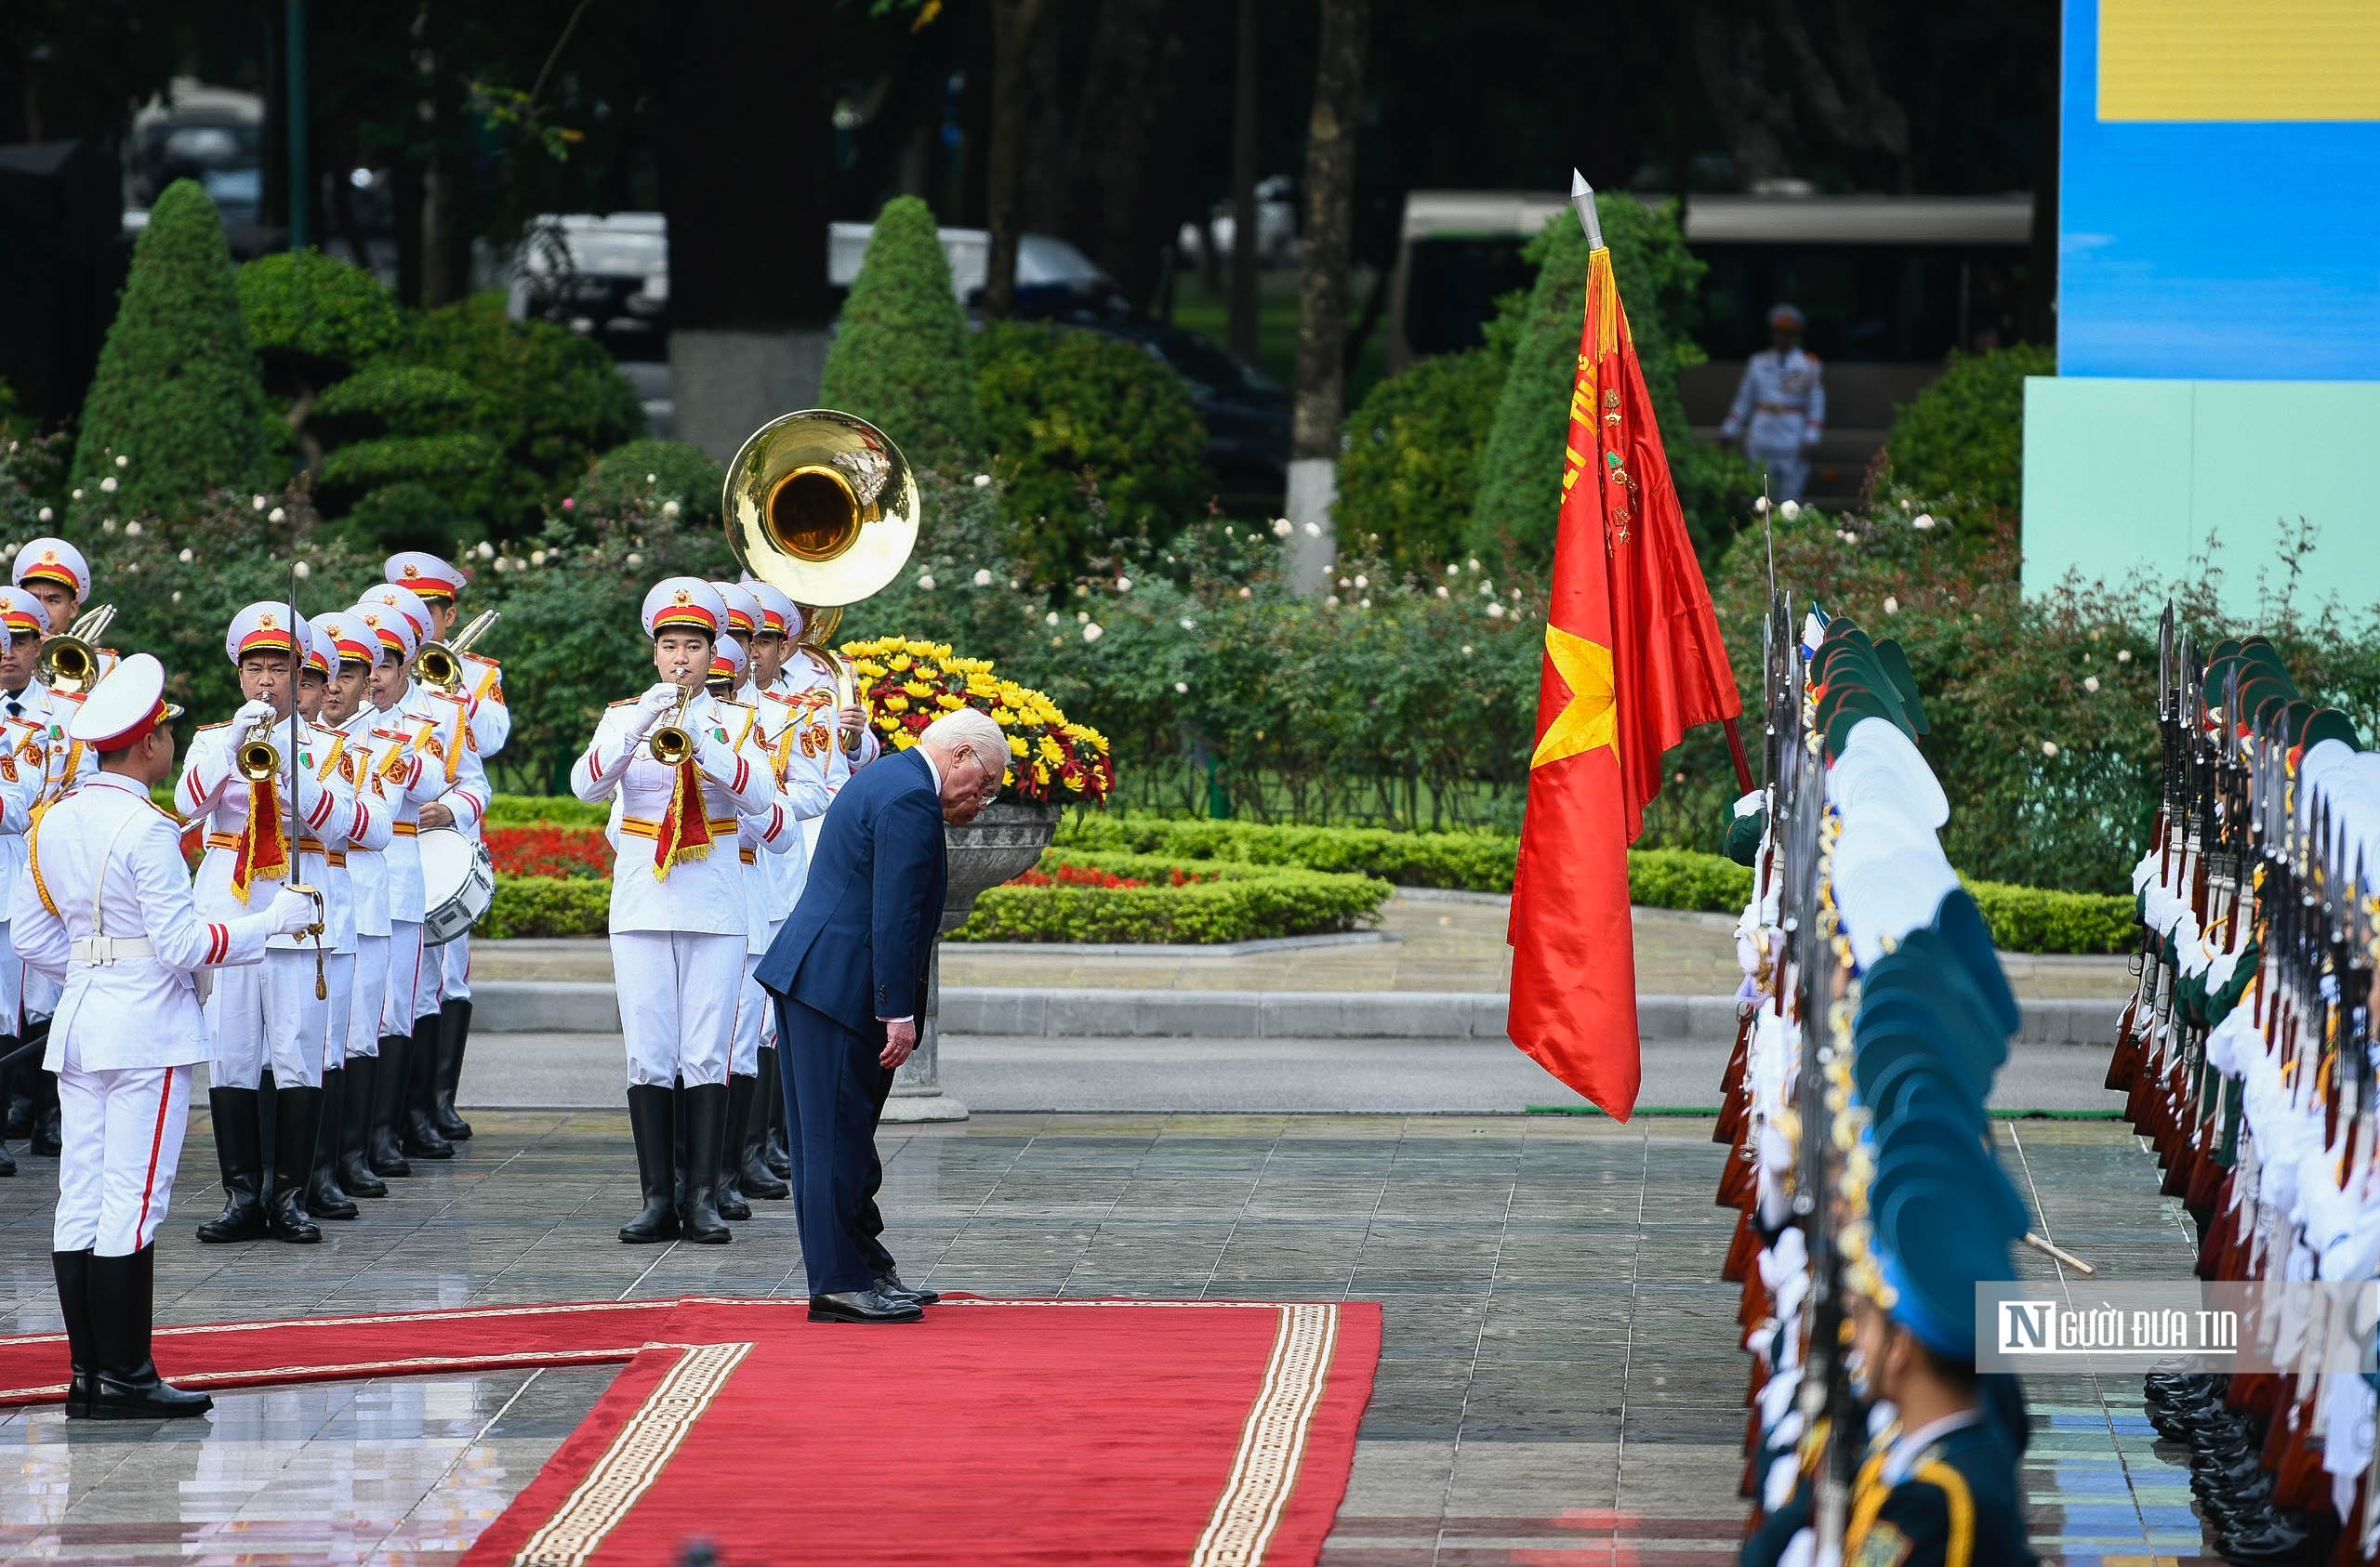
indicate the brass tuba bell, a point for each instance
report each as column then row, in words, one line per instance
column 67, row 663
column 822, row 506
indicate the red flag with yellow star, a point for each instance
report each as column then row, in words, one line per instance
column 1633, row 659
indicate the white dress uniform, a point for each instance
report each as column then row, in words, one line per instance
column 24, row 757
column 105, row 911
column 1780, row 410
column 678, row 921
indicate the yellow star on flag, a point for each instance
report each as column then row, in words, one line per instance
column 1590, row 720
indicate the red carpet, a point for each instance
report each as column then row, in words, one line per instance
column 996, row 1432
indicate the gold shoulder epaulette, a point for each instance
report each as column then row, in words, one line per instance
column 204, row 727
column 625, row 702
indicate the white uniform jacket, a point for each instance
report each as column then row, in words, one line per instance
column 212, row 790
column 24, row 760
column 69, row 760
column 775, row 852
column 484, row 696
column 703, row 896
column 368, row 860
column 106, row 861
column 411, row 779
column 815, row 688
column 442, row 735
column 362, row 823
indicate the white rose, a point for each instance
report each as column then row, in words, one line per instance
column 1049, row 619
column 1082, row 617
column 1123, row 585
column 276, row 515
column 255, row 504
column 1788, row 510
column 1922, row 522
column 1344, row 583
column 185, row 557
column 487, row 550
column 925, row 582
column 653, row 478
column 123, row 461
column 1442, row 590
column 1472, row 563
column 2123, row 655
column 47, row 514
column 1182, row 687
column 1892, row 605
column 132, row 529
column 668, row 509
column 536, row 557
column 78, row 494
column 1314, row 529
column 1760, row 505
column 301, row 571
column 1466, row 649
column 1362, row 582
column 1364, row 604
column 1495, row 611
column 1093, row 633
column 982, row 578
column 1332, row 602
column 177, row 595
column 1283, row 527
column 1188, row 624
column 2049, row 747
column 107, row 485
column 2090, row 684
column 634, row 561
column 1248, row 593
column 983, row 481
column 107, row 524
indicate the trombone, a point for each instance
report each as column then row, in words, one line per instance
column 68, row 662
column 441, row 664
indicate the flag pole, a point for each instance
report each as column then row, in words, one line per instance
column 1582, row 201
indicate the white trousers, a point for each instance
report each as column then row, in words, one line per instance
column 676, row 995
column 751, row 1008
column 455, row 969
column 123, row 1133
column 12, row 985
column 338, row 968
column 370, row 989
column 39, row 996
column 265, row 1014
column 397, row 1002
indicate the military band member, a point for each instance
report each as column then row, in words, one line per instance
column 106, row 910
column 440, row 586
column 840, row 736
column 24, row 754
column 771, row 644
column 678, row 916
column 270, row 1015
column 440, row 726
column 1779, row 411
column 348, row 712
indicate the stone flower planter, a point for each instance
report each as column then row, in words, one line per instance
column 1003, row 843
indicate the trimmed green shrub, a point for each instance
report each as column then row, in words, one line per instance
column 1409, row 476
column 395, row 400
column 1679, row 879
column 899, row 356
column 177, row 392
column 1242, row 902
column 1964, row 436
column 313, row 320
column 546, row 906
column 544, row 811
column 1470, row 861
column 1520, row 466
column 454, row 466
column 2034, row 919
column 654, row 473
column 1095, row 439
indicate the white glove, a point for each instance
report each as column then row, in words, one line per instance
column 291, row 912
column 654, row 705
column 250, row 715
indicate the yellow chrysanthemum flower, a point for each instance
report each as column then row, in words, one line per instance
column 1016, row 746
column 896, row 703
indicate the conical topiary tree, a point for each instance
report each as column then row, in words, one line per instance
column 1520, row 466
column 177, row 392
column 900, row 358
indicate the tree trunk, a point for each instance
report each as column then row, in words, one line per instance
column 1013, row 24
column 1125, row 90
column 1247, row 335
column 1322, row 288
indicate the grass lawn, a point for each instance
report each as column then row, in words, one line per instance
column 1208, row 310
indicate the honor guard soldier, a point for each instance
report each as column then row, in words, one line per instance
column 241, row 780
column 683, row 768
column 480, row 682
column 1780, row 410
column 106, row 910
column 354, row 648
column 439, row 724
column 365, row 832
column 23, row 751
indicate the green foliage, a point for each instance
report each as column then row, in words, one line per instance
column 395, row 400
column 1520, row 463
column 546, row 906
column 1679, row 879
column 548, row 399
column 1409, row 477
column 545, row 811
column 1095, row 439
column 899, row 358
column 1243, row 902
column 2031, row 919
column 177, row 391
column 1470, row 861
column 313, row 320
column 1963, row 437
column 652, row 474
column 452, row 467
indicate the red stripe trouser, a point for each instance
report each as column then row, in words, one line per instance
column 122, row 1134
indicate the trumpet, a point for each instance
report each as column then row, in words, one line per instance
column 441, row 664
column 672, row 744
column 67, row 663
column 258, row 757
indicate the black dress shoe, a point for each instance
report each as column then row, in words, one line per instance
column 864, row 1306
column 2276, row 1544
column 889, row 1282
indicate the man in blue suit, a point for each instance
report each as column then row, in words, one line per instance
column 848, row 972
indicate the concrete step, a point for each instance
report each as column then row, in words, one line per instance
column 561, row 1007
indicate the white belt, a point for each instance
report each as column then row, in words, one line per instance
column 98, row 952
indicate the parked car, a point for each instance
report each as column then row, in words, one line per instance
column 605, row 277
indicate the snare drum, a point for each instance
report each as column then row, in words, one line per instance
column 457, row 883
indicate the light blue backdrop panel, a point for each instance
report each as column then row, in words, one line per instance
column 2124, row 475
column 2207, row 250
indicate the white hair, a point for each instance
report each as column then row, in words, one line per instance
column 969, row 728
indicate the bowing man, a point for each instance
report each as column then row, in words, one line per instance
column 106, row 912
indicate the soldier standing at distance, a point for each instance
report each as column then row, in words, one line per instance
column 105, row 910
column 347, row 711
column 1780, row 410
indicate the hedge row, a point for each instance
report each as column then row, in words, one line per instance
column 546, row 906
column 2023, row 919
column 1242, row 902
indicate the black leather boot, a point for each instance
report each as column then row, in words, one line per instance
column 126, row 1385
column 650, row 1114
column 353, row 1109
column 776, row 1153
column 239, row 1153
column 17, row 1080
column 726, row 1194
column 297, row 1122
column 420, row 1135
column 72, row 1270
column 454, row 1033
column 706, row 1136
column 326, row 1197
column 48, row 1136
column 380, row 1150
column 753, row 1177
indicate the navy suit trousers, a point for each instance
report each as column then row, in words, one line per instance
column 834, row 1089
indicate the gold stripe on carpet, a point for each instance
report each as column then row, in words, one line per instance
column 1273, row 1444
column 635, row 1459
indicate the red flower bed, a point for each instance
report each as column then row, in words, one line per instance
column 549, row 852
column 1080, row 875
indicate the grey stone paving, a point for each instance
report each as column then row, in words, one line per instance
column 1560, row 1373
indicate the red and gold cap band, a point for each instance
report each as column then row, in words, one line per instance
column 158, row 716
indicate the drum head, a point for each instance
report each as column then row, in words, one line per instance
column 445, row 863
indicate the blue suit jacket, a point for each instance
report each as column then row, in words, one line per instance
column 857, row 943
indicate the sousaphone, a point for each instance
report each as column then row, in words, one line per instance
column 820, row 506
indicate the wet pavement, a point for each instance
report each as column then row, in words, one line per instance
column 1560, row 1372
